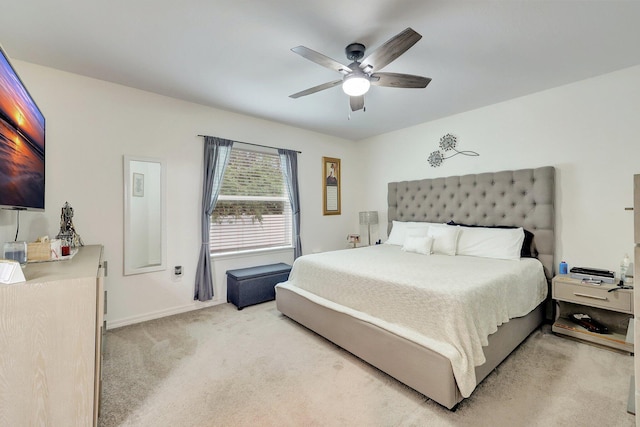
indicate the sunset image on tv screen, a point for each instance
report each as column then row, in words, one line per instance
column 21, row 143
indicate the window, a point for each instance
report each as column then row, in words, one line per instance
column 253, row 210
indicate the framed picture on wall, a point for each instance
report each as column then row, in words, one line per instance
column 331, row 173
column 138, row 185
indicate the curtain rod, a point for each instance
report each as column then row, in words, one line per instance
column 257, row 145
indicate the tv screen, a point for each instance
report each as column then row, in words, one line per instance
column 21, row 143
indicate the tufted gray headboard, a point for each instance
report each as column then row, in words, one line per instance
column 522, row 198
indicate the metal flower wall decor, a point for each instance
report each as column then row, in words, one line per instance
column 447, row 143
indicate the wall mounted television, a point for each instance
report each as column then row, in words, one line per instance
column 22, row 135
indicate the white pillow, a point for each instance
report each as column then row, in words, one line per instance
column 417, row 231
column 417, row 244
column 399, row 231
column 445, row 238
column 501, row 243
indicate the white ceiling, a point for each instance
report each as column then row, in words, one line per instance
column 235, row 54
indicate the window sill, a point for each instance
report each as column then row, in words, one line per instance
column 251, row 253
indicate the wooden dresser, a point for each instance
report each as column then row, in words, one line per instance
column 51, row 342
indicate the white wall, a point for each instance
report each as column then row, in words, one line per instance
column 91, row 124
column 588, row 130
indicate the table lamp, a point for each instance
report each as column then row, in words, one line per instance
column 369, row 218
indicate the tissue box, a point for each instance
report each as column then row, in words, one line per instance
column 39, row 251
column 44, row 251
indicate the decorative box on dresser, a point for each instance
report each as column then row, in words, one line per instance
column 51, row 342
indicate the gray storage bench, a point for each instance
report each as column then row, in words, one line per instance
column 253, row 285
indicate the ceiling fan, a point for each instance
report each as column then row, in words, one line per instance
column 359, row 76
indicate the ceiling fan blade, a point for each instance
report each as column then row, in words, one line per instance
column 321, row 59
column 356, row 102
column 315, row 89
column 399, row 80
column 389, row 51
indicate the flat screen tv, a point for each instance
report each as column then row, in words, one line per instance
column 22, row 157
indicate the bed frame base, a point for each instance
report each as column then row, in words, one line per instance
column 414, row 365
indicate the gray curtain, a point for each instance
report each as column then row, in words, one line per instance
column 216, row 157
column 289, row 163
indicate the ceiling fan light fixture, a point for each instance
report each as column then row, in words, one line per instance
column 356, row 84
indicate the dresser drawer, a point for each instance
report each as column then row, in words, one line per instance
column 593, row 296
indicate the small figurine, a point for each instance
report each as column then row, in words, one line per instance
column 67, row 232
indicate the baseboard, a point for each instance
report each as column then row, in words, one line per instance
column 196, row 305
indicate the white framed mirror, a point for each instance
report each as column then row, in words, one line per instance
column 144, row 215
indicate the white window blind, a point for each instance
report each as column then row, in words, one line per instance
column 253, row 210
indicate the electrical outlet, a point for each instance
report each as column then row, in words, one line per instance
column 177, row 270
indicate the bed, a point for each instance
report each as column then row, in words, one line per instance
column 366, row 300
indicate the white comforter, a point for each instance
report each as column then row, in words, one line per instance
column 449, row 304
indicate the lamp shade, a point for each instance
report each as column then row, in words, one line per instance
column 369, row 217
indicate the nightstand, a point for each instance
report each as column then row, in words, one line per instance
column 612, row 309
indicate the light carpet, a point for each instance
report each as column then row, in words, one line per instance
column 255, row 367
